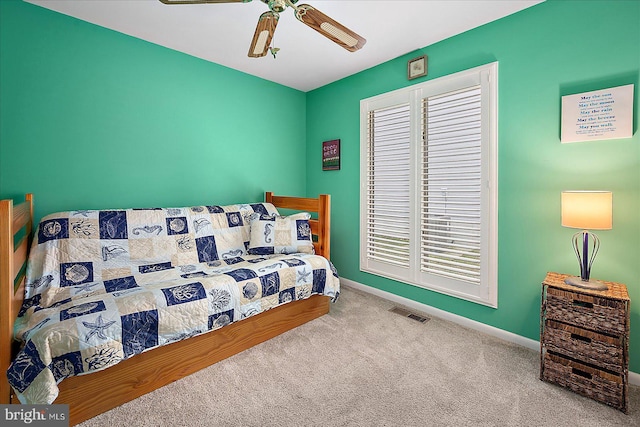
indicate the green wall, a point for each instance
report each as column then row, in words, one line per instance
column 104, row 120
column 91, row 118
column 550, row 50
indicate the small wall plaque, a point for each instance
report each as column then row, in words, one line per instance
column 598, row 115
column 417, row 67
column 331, row 155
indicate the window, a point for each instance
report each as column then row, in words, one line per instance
column 429, row 185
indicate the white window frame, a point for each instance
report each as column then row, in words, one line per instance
column 486, row 76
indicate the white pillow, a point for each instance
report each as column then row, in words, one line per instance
column 274, row 234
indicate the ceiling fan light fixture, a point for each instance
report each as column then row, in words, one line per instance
column 276, row 5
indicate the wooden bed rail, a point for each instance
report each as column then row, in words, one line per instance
column 13, row 219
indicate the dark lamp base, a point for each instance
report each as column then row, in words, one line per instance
column 595, row 285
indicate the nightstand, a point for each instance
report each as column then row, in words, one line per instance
column 584, row 340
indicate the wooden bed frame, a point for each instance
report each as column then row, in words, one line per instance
column 95, row 393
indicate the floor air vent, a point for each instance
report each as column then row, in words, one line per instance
column 410, row 315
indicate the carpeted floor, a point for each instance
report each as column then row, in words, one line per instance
column 362, row 365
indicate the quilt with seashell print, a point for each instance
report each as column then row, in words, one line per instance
column 103, row 286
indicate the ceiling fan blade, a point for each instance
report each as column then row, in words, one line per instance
column 329, row 28
column 202, row 1
column 264, row 32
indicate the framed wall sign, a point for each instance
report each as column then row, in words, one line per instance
column 331, row 155
column 598, row 115
column 417, row 67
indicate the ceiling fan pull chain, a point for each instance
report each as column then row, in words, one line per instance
column 272, row 49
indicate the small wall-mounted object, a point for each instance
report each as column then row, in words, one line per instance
column 331, row 155
column 598, row 115
column 417, row 67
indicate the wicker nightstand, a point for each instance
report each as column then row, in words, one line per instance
column 584, row 340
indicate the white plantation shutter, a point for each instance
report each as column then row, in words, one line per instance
column 451, row 185
column 388, row 185
column 429, row 185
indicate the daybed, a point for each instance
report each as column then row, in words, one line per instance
column 113, row 304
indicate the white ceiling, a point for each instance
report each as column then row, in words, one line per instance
column 221, row 33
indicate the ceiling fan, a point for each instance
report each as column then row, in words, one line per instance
column 312, row 17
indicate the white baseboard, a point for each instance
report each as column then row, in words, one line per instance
column 634, row 378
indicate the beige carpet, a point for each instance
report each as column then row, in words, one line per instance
column 362, row 365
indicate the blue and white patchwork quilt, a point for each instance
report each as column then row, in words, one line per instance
column 103, row 286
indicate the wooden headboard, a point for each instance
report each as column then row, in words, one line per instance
column 13, row 261
column 320, row 227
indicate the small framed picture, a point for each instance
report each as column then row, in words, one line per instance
column 417, row 67
column 331, row 155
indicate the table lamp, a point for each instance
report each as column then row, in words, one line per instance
column 587, row 210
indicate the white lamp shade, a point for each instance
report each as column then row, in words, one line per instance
column 588, row 210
